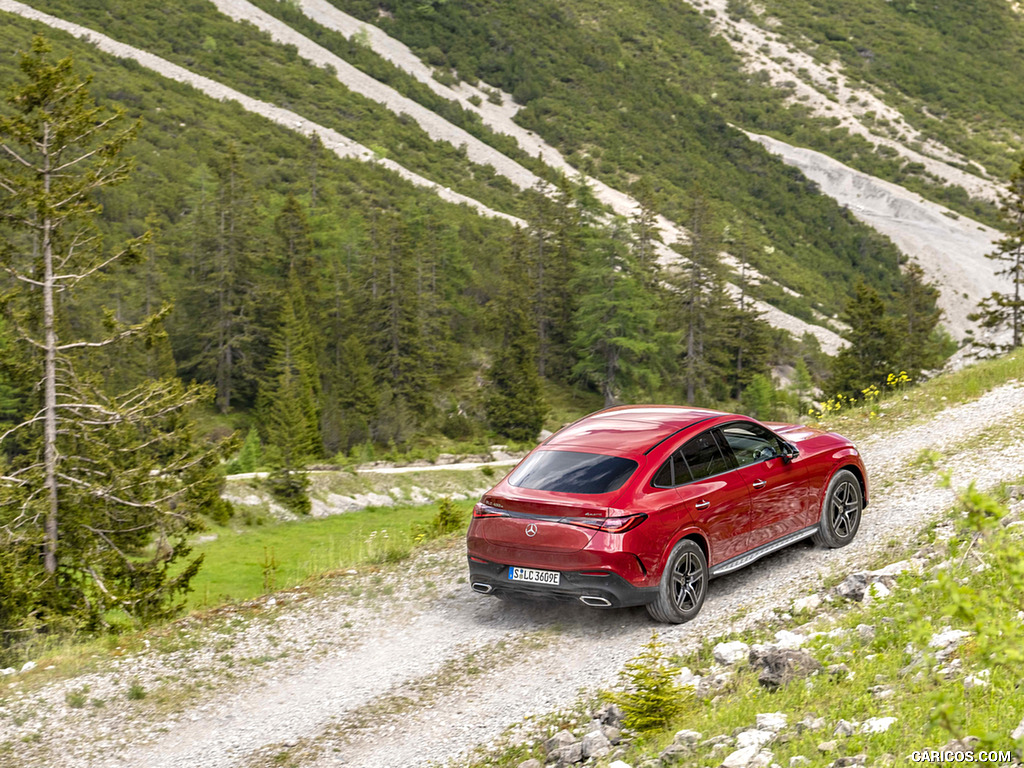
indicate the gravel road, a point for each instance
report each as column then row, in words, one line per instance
column 407, row 666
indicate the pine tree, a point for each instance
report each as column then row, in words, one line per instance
column 618, row 346
column 100, row 476
column 701, row 305
column 874, row 343
column 922, row 344
column 1000, row 310
column 223, row 300
column 514, row 401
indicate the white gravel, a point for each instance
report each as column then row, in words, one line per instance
column 323, row 673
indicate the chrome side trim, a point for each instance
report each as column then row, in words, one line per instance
column 747, row 558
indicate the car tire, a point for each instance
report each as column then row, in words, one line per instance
column 684, row 585
column 840, row 512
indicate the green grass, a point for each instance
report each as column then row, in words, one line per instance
column 927, row 399
column 243, row 564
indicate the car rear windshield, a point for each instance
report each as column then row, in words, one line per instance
column 572, row 472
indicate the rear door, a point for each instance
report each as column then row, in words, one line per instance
column 716, row 494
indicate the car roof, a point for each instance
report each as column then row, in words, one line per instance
column 628, row 429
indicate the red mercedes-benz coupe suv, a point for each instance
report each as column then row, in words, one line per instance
column 642, row 505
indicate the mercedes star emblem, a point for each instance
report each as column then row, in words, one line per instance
column 531, row 529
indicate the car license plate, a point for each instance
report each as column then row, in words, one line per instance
column 533, row 576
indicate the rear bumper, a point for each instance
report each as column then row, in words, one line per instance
column 608, row 590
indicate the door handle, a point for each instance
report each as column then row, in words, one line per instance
column 759, row 483
column 702, row 504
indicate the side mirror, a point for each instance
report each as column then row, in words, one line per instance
column 789, row 452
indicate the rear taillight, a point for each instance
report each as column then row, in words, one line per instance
column 482, row 510
column 619, row 524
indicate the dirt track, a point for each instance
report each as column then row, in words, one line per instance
column 417, row 668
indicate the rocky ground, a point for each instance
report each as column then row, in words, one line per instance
column 406, row 666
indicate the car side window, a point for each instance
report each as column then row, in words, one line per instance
column 751, row 443
column 673, row 472
column 703, row 457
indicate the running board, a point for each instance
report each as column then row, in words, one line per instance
column 734, row 564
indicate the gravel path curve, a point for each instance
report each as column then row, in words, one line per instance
column 408, row 666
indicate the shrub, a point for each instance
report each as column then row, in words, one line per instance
column 653, row 698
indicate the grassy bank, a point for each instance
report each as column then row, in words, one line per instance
column 245, row 563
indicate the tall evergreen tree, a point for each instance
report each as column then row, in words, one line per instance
column 698, row 286
column 618, row 345
column 922, row 344
column 1003, row 310
column 874, row 344
column 100, row 475
column 514, row 400
column 223, row 306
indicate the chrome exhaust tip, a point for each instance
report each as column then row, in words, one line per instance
column 483, row 589
column 595, row 602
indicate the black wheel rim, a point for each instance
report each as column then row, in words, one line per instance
column 688, row 581
column 844, row 509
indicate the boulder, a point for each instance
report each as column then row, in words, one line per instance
column 845, row 728
column 853, row 586
column 687, row 738
column 571, row 753
column 610, row 714
column 828, row 746
column 531, row 763
column 779, row 667
column 787, row 639
column 772, row 721
column 559, row 740
column 754, row 738
column 731, row 653
column 596, row 744
column 745, row 758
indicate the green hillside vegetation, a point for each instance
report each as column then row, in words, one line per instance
column 953, row 69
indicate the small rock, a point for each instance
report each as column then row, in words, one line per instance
column 877, row 591
column 882, row 692
column 675, row 754
column 845, row 728
column 595, row 744
column 976, row 681
column 786, row 639
column 877, row 724
column 687, row 679
column 559, row 740
column 755, row 738
column 782, row 666
column 531, row 763
column 866, row 632
column 716, row 741
column 1018, row 732
column 8, row 671
column 828, row 746
column 772, row 721
column 610, row 714
column 613, row 734
column 842, row 762
column 731, row 653
column 810, row 724
column 853, row 586
column 741, row 758
column 687, row 738
column 28, row 666
column 810, row 604
column 951, row 637
column 839, row 670
column 571, row 753
column 796, row 760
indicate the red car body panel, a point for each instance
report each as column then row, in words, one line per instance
column 731, row 513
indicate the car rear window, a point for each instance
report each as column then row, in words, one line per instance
column 572, row 472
